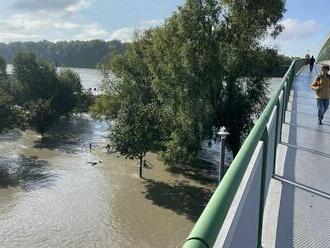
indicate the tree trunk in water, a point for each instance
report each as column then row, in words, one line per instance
column 141, row 165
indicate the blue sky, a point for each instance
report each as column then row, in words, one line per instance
column 307, row 23
column 307, row 26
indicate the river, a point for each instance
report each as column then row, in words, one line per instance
column 90, row 78
column 54, row 192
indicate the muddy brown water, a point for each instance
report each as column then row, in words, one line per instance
column 50, row 196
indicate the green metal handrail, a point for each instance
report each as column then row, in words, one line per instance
column 207, row 228
column 324, row 47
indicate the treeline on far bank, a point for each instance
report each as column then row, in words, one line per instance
column 82, row 54
column 36, row 96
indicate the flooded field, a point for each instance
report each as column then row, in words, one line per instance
column 51, row 195
column 55, row 192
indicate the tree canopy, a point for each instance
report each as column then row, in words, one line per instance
column 44, row 94
column 11, row 116
column 3, row 67
column 205, row 68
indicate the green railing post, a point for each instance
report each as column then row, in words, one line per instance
column 284, row 103
column 290, row 85
column 265, row 139
column 282, row 113
column 288, row 82
column 277, row 126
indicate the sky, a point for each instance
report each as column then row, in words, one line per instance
column 307, row 23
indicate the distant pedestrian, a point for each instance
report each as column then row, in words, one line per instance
column 311, row 63
column 108, row 147
column 321, row 86
column 90, row 146
column 307, row 59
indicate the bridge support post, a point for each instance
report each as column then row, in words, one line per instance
column 284, row 103
column 264, row 138
column 278, row 135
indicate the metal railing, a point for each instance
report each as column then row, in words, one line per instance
column 324, row 52
column 267, row 132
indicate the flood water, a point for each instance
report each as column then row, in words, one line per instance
column 52, row 196
column 55, row 192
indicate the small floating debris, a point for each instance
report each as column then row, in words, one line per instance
column 92, row 163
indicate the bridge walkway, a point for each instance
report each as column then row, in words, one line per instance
column 297, row 211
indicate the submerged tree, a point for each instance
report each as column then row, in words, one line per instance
column 209, row 67
column 69, row 92
column 205, row 67
column 10, row 115
column 7, row 111
column 107, row 105
column 138, row 125
column 3, row 67
column 41, row 115
column 136, row 131
column 49, row 95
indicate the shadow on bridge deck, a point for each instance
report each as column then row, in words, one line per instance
column 298, row 203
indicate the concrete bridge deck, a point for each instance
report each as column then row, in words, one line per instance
column 297, row 210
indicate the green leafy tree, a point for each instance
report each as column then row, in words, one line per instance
column 84, row 102
column 107, row 105
column 69, row 92
column 205, row 67
column 7, row 111
column 37, row 78
column 37, row 82
column 3, row 67
column 8, row 118
column 41, row 115
column 138, row 126
column 136, row 131
column 209, row 68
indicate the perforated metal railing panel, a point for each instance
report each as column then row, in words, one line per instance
column 297, row 212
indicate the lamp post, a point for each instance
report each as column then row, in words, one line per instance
column 223, row 134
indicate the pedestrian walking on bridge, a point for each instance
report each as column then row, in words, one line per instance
column 311, row 63
column 321, row 86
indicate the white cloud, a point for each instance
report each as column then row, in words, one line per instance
column 91, row 31
column 67, row 25
column 49, row 5
column 297, row 39
column 295, row 30
column 127, row 34
column 20, row 25
column 34, row 20
column 28, row 27
column 123, row 34
column 151, row 23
